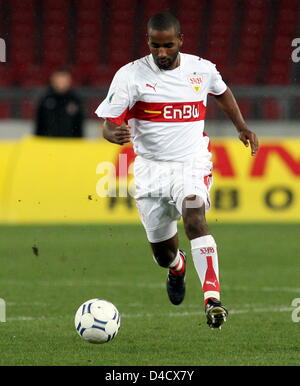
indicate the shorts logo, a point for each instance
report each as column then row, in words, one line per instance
column 206, row 251
column 195, row 80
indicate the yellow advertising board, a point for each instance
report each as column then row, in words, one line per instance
column 46, row 180
column 261, row 188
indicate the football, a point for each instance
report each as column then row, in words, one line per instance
column 97, row 321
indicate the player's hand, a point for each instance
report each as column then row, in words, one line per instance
column 122, row 134
column 248, row 137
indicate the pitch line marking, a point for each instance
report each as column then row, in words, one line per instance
column 91, row 283
column 154, row 315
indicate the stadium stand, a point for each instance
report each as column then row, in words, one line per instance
column 192, row 25
column 287, row 26
column 250, row 41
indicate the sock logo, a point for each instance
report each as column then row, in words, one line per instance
column 206, row 251
column 211, row 279
column 212, row 283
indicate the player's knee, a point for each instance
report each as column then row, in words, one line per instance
column 193, row 202
column 164, row 259
column 195, row 226
column 192, row 227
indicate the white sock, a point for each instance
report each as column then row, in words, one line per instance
column 205, row 257
column 177, row 263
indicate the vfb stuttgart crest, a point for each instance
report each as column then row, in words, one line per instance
column 195, row 80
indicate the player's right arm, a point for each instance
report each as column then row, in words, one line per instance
column 115, row 133
column 114, row 107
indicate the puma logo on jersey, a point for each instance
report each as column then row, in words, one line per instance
column 150, row 86
column 206, row 251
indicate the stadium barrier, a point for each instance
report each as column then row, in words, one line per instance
column 66, row 180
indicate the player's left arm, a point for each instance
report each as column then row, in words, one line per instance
column 228, row 104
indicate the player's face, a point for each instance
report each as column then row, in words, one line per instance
column 164, row 47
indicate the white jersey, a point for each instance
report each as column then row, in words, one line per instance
column 165, row 108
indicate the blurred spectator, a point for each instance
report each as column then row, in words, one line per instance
column 59, row 111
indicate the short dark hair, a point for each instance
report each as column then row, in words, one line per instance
column 61, row 70
column 163, row 21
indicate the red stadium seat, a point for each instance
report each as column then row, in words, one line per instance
column 191, row 18
column 22, row 29
column 73, row 30
column 150, row 7
column 212, row 109
column 20, row 4
column 87, row 56
column 88, row 4
column 6, row 75
column 101, row 76
column 121, row 29
column 58, row 30
column 271, row 109
column 31, row 75
column 220, row 33
column 90, row 30
column 21, row 57
column 278, row 74
column 21, row 7
column 87, row 44
column 56, row 5
column 297, row 108
column 54, row 43
column 56, row 15
column 28, row 109
column 80, row 74
column 92, row 106
column 251, row 44
column 55, row 58
column 5, row 109
column 245, row 106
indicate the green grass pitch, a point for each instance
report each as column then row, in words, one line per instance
column 259, row 273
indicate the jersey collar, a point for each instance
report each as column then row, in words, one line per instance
column 156, row 69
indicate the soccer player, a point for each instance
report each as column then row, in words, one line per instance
column 158, row 102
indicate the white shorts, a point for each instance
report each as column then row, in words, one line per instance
column 161, row 187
